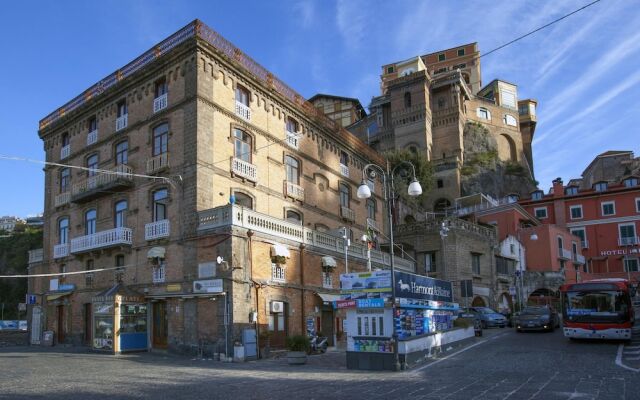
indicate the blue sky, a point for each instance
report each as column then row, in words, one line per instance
column 583, row 71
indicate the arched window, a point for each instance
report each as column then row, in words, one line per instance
column 160, row 139
column 63, row 230
column 65, row 178
column 92, row 164
column 122, row 153
column 294, row 216
column 160, row 200
column 345, row 195
column 121, row 214
column 243, row 200
column 407, row 100
column 243, row 145
column 292, row 169
column 90, row 217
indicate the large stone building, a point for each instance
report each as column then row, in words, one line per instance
column 200, row 181
column 433, row 104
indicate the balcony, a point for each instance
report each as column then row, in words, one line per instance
column 244, row 169
column 65, row 151
column 36, row 256
column 372, row 224
column 294, row 191
column 344, row 170
column 585, row 244
column 61, row 250
column 628, row 241
column 347, row 213
column 234, row 215
column 101, row 240
column 121, row 122
column 579, row 259
column 157, row 230
column 62, row 199
column 160, row 103
column 564, row 254
column 292, row 139
column 117, row 178
column 157, row 163
column 243, row 111
column 92, row 137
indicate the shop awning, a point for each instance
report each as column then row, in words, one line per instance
column 329, row 297
column 279, row 250
column 328, row 261
column 125, row 293
column 156, row 252
column 56, row 296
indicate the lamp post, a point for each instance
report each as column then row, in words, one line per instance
column 347, row 243
column 520, row 272
column 364, row 192
column 365, row 238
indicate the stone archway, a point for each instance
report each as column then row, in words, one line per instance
column 505, row 302
column 478, row 301
column 507, row 148
column 544, row 296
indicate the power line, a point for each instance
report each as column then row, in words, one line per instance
column 539, row 29
column 88, row 271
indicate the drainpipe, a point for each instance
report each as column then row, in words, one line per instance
column 302, row 321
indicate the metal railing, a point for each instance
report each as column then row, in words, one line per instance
column 157, row 163
column 564, row 254
column 121, row 122
column 292, row 139
column 160, row 103
column 243, row 111
column 65, row 151
column 92, row 137
column 344, row 170
column 293, row 190
column 373, row 224
column 234, row 215
column 103, row 178
column 628, row 241
column 347, row 213
column 244, row 169
column 435, row 224
column 98, row 240
column 579, row 259
column 157, row 230
column 62, row 199
column 36, row 255
column 585, row 244
column 61, row 250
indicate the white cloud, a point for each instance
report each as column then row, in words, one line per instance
column 306, row 13
column 351, row 22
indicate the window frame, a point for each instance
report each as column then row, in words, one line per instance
column 571, row 191
column 65, row 179
column 627, row 224
column 344, row 194
column 546, row 213
column 278, row 273
column 92, row 171
column 442, row 57
column 245, row 195
column 294, row 221
column 120, row 214
column 90, row 224
column 576, row 207
column 627, row 261
column 583, row 238
column 242, row 95
column 537, row 195
column 460, row 52
column 289, row 169
column 637, row 200
column 607, row 203
column 630, row 182
column 476, row 268
column 601, row 186
column 407, row 99
column 507, row 118
column 92, row 124
column 156, row 202
column 371, row 205
column 63, row 231
column 120, row 154
column 431, row 265
column 160, row 139
column 160, row 87
column 484, row 110
column 121, row 108
column 239, row 143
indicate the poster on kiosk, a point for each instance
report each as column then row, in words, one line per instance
column 423, row 306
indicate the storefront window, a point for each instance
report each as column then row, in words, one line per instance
column 103, row 326
column 133, row 318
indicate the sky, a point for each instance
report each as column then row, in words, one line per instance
column 583, row 71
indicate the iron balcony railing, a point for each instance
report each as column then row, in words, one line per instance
column 372, row 224
column 65, row 151
column 157, row 163
column 160, row 103
column 244, row 169
column 344, row 170
column 121, row 122
column 92, row 137
column 120, row 172
column 292, row 139
column 579, row 259
column 61, row 250
column 564, row 254
column 103, row 239
column 243, row 111
column 62, row 199
column 347, row 213
column 294, row 191
column 157, row 230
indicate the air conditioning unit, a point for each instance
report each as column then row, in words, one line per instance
column 277, row 307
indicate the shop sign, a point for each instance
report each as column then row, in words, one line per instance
column 176, row 287
column 413, row 286
column 66, row 287
column 376, row 281
column 622, row 252
column 208, row 286
column 360, row 303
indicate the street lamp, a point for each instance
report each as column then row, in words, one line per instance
column 520, row 272
column 365, row 238
column 364, row 192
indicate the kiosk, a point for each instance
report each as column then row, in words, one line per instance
column 119, row 320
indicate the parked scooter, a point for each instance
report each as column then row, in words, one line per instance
column 318, row 344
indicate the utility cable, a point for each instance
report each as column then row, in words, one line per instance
column 88, row 271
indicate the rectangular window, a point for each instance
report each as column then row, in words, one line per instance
column 359, row 326
column 242, row 96
column 389, row 70
column 541, row 213
column 638, row 205
column 159, row 273
column 65, row 178
column 93, row 124
column 242, row 145
column 475, row 263
column 508, row 98
column 627, row 234
column 441, row 57
column 631, row 264
column 381, row 325
column 122, row 153
column 460, row 52
column 600, row 187
column 582, row 234
column 122, row 108
column 576, row 212
column 608, row 208
column 161, row 87
column 430, row 262
column 277, row 273
column 327, row 281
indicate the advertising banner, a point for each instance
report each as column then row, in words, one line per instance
column 376, row 284
column 411, row 286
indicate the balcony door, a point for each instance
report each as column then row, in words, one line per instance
column 278, row 327
column 160, row 328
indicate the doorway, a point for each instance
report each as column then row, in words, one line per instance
column 60, row 327
column 478, row 302
column 87, row 323
column 327, row 326
column 160, row 325
column 278, row 327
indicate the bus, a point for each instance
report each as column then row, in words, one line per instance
column 598, row 309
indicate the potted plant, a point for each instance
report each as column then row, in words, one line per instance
column 298, row 347
column 265, row 342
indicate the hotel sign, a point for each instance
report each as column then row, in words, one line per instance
column 620, row 252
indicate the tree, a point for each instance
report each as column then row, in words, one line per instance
column 424, row 173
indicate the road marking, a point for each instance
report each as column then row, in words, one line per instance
column 456, row 353
column 545, row 385
column 619, row 359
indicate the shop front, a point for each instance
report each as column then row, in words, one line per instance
column 119, row 320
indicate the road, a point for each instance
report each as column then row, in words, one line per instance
column 502, row 365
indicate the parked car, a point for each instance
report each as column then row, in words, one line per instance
column 536, row 319
column 477, row 324
column 489, row 317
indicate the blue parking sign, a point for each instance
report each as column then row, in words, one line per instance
column 31, row 299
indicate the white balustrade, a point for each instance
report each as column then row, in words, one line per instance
column 580, row 259
column 292, row 139
column 293, row 190
column 92, row 137
column 244, row 169
column 62, row 199
column 61, row 250
column 344, row 170
column 160, row 103
column 585, row 244
column 347, row 213
column 157, row 163
column 246, row 218
column 157, row 230
column 243, row 111
column 36, row 255
column 65, row 151
column 121, row 122
column 108, row 238
column 564, row 253
column 120, row 172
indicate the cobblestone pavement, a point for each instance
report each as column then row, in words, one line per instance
column 501, row 365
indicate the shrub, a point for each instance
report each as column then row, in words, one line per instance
column 462, row 322
column 298, row 343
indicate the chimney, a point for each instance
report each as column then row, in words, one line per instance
column 558, row 188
